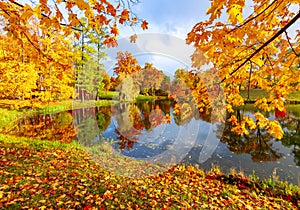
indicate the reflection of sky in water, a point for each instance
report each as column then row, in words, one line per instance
column 204, row 152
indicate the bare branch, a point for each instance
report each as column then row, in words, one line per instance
column 288, row 39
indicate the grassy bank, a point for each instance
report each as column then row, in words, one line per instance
column 258, row 93
column 115, row 95
column 45, row 175
column 8, row 118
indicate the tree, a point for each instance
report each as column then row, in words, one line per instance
column 126, row 65
column 34, row 76
column 64, row 16
column 125, row 68
column 43, row 31
column 150, row 79
column 254, row 50
column 89, row 68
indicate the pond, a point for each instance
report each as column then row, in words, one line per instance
column 152, row 131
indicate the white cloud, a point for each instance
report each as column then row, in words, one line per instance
column 166, row 52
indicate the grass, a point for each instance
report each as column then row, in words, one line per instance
column 145, row 98
column 295, row 108
column 115, row 95
column 294, row 97
column 53, row 175
column 8, row 118
column 109, row 94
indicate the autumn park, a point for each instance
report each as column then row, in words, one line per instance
column 218, row 130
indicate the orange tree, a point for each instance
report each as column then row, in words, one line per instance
column 126, row 65
column 251, row 46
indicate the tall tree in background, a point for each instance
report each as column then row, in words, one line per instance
column 89, row 68
column 253, row 50
column 150, row 79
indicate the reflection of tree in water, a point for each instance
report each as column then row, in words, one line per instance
column 87, row 126
column 103, row 116
column 127, row 143
column 133, row 118
column 48, row 127
column 187, row 112
column 258, row 143
column 129, row 124
column 291, row 138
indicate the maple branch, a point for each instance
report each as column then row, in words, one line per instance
column 268, row 58
column 254, row 17
column 249, row 82
column 282, row 30
column 62, row 24
column 288, row 39
column 37, row 48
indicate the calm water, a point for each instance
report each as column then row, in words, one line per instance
column 150, row 131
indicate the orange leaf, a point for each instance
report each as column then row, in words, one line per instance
column 58, row 13
column 110, row 42
column 114, row 30
column 77, row 35
column 133, row 21
column 144, row 25
column 124, row 16
column 133, row 38
column 69, row 5
column 99, row 7
column 101, row 20
column 111, row 10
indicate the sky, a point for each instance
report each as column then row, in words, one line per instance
column 173, row 17
column 163, row 44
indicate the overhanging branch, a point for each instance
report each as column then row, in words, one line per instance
column 62, row 24
column 292, row 21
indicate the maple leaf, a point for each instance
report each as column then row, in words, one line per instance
column 124, row 16
column 69, row 5
column 144, row 25
column 114, row 30
column 133, row 21
column 133, row 38
column 58, row 13
column 111, row 10
column 110, row 42
column 81, row 4
column 99, row 7
column 101, row 20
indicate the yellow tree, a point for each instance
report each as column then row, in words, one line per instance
column 251, row 47
column 35, row 72
column 65, row 16
column 42, row 34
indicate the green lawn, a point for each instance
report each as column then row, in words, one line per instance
column 44, row 175
column 115, row 96
column 258, row 93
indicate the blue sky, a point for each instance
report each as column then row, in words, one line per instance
column 174, row 17
column 163, row 44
